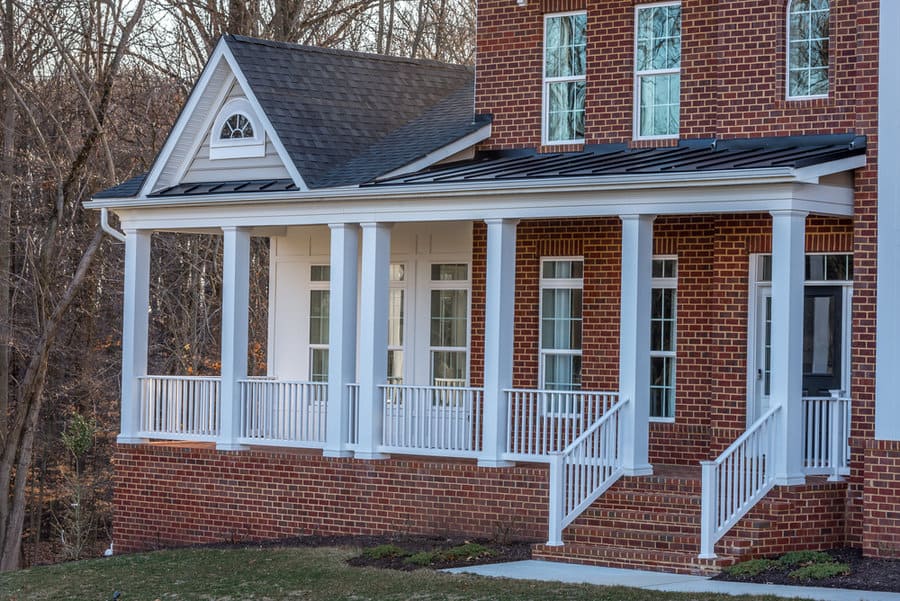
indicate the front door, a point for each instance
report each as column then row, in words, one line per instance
column 823, row 344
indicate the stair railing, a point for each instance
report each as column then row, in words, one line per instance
column 737, row 479
column 584, row 470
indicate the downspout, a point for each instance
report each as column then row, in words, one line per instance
column 104, row 224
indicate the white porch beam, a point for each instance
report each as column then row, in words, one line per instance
column 499, row 317
column 341, row 335
column 788, row 276
column 135, row 324
column 373, row 336
column 235, row 317
column 634, row 342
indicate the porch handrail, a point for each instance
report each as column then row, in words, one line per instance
column 542, row 421
column 180, row 407
column 826, row 436
column 584, row 470
column 283, row 412
column 737, row 479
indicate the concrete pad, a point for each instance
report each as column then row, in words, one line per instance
column 661, row 581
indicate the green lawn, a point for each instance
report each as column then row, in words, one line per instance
column 296, row 573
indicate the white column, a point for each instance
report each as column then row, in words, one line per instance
column 341, row 335
column 887, row 346
column 134, row 331
column 235, row 316
column 634, row 342
column 788, row 275
column 499, row 317
column 373, row 335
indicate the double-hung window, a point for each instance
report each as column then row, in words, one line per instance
column 396, row 323
column 657, row 70
column 564, row 77
column 807, row 71
column 449, row 318
column 562, row 283
column 319, row 298
column 663, row 319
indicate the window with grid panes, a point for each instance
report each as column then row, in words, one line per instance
column 663, row 325
column 562, row 283
column 565, row 45
column 319, row 298
column 657, row 70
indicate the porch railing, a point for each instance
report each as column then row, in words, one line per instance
column 737, row 479
column 584, row 470
column 285, row 413
column 826, row 436
column 547, row 421
column 432, row 420
column 179, row 407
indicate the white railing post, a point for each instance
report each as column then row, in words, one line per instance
column 836, row 442
column 634, row 341
column 373, row 337
column 341, row 336
column 707, row 509
column 788, row 276
column 557, row 499
column 134, row 332
column 235, row 317
column 499, row 315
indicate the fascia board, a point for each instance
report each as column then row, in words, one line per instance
column 812, row 173
column 183, row 118
column 267, row 124
column 442, row 153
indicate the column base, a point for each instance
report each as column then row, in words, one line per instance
column 639, row 470
column 370, row 456
column 126, row 439
column 336, row 453
column 790, row 480
column 230, row 446
column 495, row 463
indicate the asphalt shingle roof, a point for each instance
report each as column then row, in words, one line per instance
column 126, row 189
column 347, row 117
column 692, row 156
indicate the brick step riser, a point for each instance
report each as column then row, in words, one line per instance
column 589, row 528
column 683, row 562
column 619, row 518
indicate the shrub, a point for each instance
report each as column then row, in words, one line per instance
column 422, row 558
column 466, row 551
column 819, row 571
column 799, row 558
column 383, row 551
column 746, row 569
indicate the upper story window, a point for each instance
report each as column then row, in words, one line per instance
column 808, row 48
column 564, row 77
column 236, row 132
column 657, row 70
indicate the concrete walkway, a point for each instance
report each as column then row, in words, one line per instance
column 660, row 581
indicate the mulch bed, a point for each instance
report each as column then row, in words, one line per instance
column 499, row 553
column 866, row 573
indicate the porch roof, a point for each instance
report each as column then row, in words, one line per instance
column 689, row 156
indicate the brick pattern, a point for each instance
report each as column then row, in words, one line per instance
column 170, row 495
column 881, row 499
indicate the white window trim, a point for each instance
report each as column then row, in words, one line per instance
column 314, row 285
column 672, row 284
column 636, row 113
column 552, row 284
column 787, row 57
column 239, row 148
column 448, row 285
column 546, row 81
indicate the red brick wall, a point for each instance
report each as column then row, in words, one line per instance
column 169, row 495
column 881, row 499
column 732, row 71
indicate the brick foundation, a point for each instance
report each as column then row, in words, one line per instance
column 176, row 494
column 881, row 499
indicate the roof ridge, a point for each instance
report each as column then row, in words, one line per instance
column 350, row 53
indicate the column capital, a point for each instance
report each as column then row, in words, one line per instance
column 342, row 226
column 788, row 213
column 636, row 216
column 501, row 221
column 234, row 228
column 368, row 225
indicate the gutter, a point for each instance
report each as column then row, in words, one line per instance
column 106, row 227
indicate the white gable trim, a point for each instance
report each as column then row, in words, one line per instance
column 264, row 119
column 436, row 156
column 220, row 53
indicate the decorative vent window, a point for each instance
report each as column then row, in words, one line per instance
column 562, row 282
column 657, row 70
column 808, row 48
column 564, row 77
column 236, row 132
column 663, row 320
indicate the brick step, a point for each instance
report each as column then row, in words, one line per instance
column 661, row 483
column 680, row 562
column 655, row 500
column 602, row 515
column 637, row 539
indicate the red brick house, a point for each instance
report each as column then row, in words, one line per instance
column 628, row 302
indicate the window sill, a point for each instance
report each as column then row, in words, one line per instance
column 662, row 420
